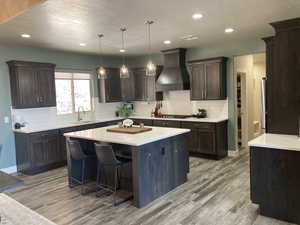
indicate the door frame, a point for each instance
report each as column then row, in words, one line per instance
column 244, row 109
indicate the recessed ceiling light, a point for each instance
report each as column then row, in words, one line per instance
column 25, row 35
column 82, row 44
column 189, row 37
column 229, row 30
column 197, row 16
column 167, row 42
column 122, row 50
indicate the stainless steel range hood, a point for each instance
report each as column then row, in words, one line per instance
column 174, row 75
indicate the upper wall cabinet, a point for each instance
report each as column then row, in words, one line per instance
column 137, row 87
column 145, row 89
column 283, row 78
column 110, row 88
column 208, row 79
column 32, row 84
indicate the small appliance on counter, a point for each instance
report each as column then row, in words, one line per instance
column 202, row 113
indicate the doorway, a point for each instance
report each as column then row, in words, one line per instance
column 241, row 110
column 249, row 71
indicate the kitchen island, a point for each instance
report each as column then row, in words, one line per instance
column 274, row 176
column 159, row 158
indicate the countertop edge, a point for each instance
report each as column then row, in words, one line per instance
column 33, row 130
column 183, row 131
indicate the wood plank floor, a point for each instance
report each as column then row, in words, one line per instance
column 217, row 193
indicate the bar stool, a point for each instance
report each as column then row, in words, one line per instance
column 107, row 159
column 76, row 153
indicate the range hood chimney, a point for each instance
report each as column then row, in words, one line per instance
column 174, row 75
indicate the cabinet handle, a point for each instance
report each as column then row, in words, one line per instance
column 163, row 151
column 149, row 155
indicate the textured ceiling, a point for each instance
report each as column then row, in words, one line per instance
column 63, row 24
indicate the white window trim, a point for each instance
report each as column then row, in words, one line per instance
column 72, row 71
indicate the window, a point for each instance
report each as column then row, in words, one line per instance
column 72, row 91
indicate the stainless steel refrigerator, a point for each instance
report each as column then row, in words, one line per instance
column 263, row 105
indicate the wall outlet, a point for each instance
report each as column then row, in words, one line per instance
column 6, row 119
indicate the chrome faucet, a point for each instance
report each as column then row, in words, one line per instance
column 79, row 118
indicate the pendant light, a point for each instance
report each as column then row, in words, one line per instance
column 150, row 68
column 100, row 69
column 124, row 73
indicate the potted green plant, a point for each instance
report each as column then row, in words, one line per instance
column 124, row 111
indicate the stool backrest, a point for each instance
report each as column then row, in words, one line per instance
column 105, row 154
column 75, row 150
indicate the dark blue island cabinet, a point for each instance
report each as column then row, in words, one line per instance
column 158, row 166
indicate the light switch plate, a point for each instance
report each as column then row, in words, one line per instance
column 6, row 119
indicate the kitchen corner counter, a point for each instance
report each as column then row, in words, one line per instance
column 189, row 119
column 276, row 141
column 48, row 127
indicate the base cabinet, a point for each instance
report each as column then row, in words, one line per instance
column 275, row 182
column 41, row 151
column 208, row 139
column 38, row 151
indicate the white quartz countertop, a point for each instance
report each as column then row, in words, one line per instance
column 277, row 141
column 46, row 127
column 189, row 119
column 102, row 135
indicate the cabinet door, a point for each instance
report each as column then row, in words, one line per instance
column 139, row 80
column 45, row 149
column 212, row 81
column 27, row 88
column 127, row 88
column 113, row 86
column 46, row 84
column 150, row 89
column 206, row 142
column 197, row 82
column 52, row 148
column 38, row 157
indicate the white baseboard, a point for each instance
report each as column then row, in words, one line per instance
column 9, row 170
column 233, row 153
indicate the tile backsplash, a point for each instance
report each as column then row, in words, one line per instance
column 178, row 102
column 39, row 116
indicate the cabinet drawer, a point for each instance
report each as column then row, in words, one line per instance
column 145, row 122
column 166, row 123
column 198, row 125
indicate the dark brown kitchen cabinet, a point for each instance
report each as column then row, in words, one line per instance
column 282, row 85
column 144, row 121
column 208, row 79
column 32, row 84
column 128, row 88
column 145, row 89
column 110, row 88
column 38, row 152
column 207, row 138
column 166, row 123
column 275, row 182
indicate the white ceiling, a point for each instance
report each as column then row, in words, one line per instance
column 63, row 24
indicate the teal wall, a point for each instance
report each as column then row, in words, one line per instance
column 229, row 50
column 61, row 59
